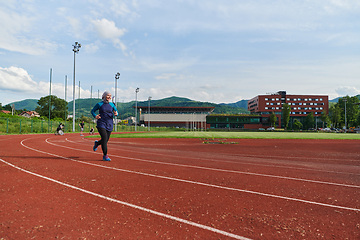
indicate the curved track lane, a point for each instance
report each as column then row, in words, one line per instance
column 56, row 186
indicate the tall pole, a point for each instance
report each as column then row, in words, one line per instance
column 76, row 46
column 79, row 99
column 65, row 100
column 117, row 76
column 49, row 100
column 149, row 114
column 136, row 92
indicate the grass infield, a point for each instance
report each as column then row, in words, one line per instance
column 238, row 135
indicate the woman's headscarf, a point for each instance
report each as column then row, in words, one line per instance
column 104, row 96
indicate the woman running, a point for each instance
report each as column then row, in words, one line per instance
column 104, row 122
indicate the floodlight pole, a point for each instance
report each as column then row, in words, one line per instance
column 76, row 49
column 65, row 101
column 49, row 101
column 117, row 76
column 136, row 92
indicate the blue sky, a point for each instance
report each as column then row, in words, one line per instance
column 216, row 51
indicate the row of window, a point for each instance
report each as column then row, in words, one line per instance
column 296, row 104
column 306, row 113
column 299, row 108
column 294, row 99
column 295, row 108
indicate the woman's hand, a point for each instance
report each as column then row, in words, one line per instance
column 98, row 116
column 115, row 113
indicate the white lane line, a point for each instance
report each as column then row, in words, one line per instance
column 232, row 162
column 204, row 227
column 197, row 183
column 220, row 170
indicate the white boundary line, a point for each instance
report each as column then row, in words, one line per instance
column 219, row 170
column 233, row 162
column 198, row 183
column 204, row 227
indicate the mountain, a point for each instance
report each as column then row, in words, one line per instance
column 28, row 104
column 239, row 104
column 84, row 105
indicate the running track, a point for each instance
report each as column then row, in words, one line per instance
column 57, row 187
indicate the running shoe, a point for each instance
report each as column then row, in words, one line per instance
column 106, row 158
column 95, row 146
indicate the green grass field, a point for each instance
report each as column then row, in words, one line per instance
column 238, row 135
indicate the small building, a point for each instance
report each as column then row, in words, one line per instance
column 5, row 111
column 29, row 114
column 234, row 121
column 181, row 117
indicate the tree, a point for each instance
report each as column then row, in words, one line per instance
column 309, row 121
column 57, row 107
column 324, row 118
column 335, row 115
column 286, row 114
column 273, row 119
column 352, row 110
column 297, row 124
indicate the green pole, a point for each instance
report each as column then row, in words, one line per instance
column 50, row 97
column 7, row 125
column 31, row 126
column 20, row 125
column 42, row 125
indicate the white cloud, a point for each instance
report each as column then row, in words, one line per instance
column 18, row 81
column 347, row 90
column 107, row 30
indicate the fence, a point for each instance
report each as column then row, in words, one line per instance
column 28, row 125
column 25, row 125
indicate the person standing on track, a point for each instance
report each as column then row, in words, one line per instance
column 107, row 110
column 81, row 128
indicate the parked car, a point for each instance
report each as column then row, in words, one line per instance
column 270, row 128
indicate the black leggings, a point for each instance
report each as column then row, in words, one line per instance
column 105, row 135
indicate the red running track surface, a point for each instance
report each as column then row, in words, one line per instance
column 57, row 187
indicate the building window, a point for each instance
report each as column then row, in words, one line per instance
column 267, row 103
column 266, row 107
column 321, row 99
column 266, row 99
column 288, row 99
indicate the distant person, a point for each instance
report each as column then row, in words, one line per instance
column 107, row 110
column 91, row 131
column 59, row 130
column 81, row 128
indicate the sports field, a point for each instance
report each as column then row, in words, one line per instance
column 179, row 188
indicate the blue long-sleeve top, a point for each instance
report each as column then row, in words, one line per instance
column 106, row 115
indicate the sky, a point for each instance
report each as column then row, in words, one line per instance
column 206, row 50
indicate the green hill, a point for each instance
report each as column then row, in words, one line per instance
column 83, row 106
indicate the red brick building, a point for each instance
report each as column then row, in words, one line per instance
column 301, row 105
